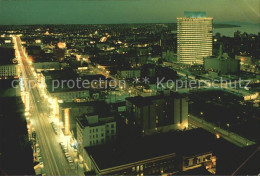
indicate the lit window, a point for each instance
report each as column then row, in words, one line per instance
column 137, row 168
column 133, row 169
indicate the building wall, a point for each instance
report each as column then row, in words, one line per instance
column 153, row 166
column 163, row 115
column 164, row 164
column 194, row 39
column 74, row 112
column 9, row 70
column 203, row 159
column 95, row 135
column 70, row 96
column 181, row 113
column 223, row 66
column 211, row 64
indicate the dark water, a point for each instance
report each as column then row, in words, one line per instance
column 250, row 29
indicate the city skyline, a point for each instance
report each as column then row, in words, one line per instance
column 129, row 87
column 119, row 11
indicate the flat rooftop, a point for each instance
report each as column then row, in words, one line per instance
column 102, row 119
column 191, row 14
column 82, row 104
column 185, row 143
column 140, row 100
column 6, row 56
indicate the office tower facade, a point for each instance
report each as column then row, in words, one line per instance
column 194, row 37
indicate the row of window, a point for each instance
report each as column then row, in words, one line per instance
column 102, row 134
column 197, row 160
column 101, row 141
column 96, row 129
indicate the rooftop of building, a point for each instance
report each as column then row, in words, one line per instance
column 93, row 77
column 60, row 74
column 44, row 57
column 97, row 104
column 182, row 143
column 6, row 88
column 33, row 47
column 7, row 55
column 103, row 117
column 140, row 100
column 191, row 14
column 127, row 68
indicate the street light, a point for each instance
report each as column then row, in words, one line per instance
column 218, row 136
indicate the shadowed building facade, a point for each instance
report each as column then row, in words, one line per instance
column 160, row 113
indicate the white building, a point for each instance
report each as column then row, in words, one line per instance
column 194, row 37
column 93, row 130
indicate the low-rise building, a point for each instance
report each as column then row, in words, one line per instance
column 69, row 111
column 222, row 64
column 95, row 129
column 63, row 85
column 8, row 63
column 170, row 153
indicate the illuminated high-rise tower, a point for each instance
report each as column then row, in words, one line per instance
column 194, row 37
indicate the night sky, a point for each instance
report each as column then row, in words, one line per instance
column 123, row 11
